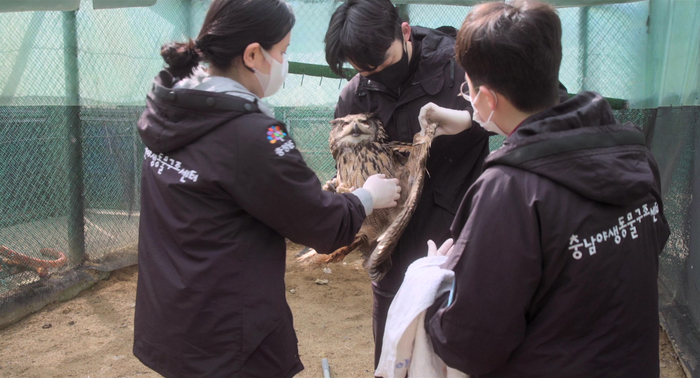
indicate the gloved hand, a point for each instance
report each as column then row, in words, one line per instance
column 450, row 121
column 385, row 192
column 444, row 250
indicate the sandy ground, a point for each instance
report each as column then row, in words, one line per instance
column 91, row 335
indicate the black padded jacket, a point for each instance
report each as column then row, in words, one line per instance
column 222, row 186
column 556, row 253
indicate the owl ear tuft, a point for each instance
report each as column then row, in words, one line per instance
column 374, row 118
column 376, row 122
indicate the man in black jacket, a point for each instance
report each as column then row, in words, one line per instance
column 557, row 243
column 401, row 69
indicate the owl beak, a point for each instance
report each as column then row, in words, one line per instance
column 356, row 130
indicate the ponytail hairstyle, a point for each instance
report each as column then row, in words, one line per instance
column 181, row 58
column 228, row 28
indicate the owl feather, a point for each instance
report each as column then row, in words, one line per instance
column 360, row 148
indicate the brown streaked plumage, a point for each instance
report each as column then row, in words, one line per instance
column 359, row 146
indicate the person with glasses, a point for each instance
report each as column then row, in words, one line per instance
column 223, row 186
column 556, row 244
column 402, row 68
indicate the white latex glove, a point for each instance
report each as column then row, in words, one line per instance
column 385, row 192
column 450, row 121
column 444, row 250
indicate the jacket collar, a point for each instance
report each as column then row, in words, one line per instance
column 201, row 80
column 175, row 117
column 429, row 74
column 579, row 145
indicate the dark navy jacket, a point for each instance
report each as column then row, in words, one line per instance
column 556, row 253
column 222, row 186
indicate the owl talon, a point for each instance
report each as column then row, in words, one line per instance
column 331, row 185
column 312, row 258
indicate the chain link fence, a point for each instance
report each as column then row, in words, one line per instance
column 74, row 84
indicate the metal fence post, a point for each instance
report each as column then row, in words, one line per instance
column 76, row 196
column 583, row 43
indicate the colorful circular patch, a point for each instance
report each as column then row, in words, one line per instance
column 275, row 133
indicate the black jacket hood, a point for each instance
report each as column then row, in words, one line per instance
column 579, row 145
column 175, row 117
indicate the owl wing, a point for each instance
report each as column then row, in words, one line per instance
column 379, row 262
column 401, row 151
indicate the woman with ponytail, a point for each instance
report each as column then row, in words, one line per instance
column 222, row 187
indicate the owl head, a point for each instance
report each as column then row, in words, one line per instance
column 356, row 130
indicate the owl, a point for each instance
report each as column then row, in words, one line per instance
column 360, row 148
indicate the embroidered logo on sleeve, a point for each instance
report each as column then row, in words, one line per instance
column 162, row 162
column 275, row 133
column 286, row 147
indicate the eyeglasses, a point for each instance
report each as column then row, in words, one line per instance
column 466, row 95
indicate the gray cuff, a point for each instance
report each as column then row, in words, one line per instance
column 366, row 199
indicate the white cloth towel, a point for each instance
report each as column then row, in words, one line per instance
column 406, row 348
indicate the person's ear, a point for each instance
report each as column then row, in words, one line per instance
column 406, row 31
column 252, row 56
column 490, row 96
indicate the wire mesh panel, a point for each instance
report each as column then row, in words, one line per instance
column 310, row 128
column 675, row 146
column 32, row 59
column 112, row 152
column 34, row 196
column 70, row 155
column 120, row 49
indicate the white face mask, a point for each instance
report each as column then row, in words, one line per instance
column 278, row 74
column 488, row 124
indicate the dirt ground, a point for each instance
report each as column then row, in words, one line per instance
column 90, row 336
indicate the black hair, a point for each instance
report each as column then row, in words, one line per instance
column 228, row 28
column 514, row 48
column 361, row 32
